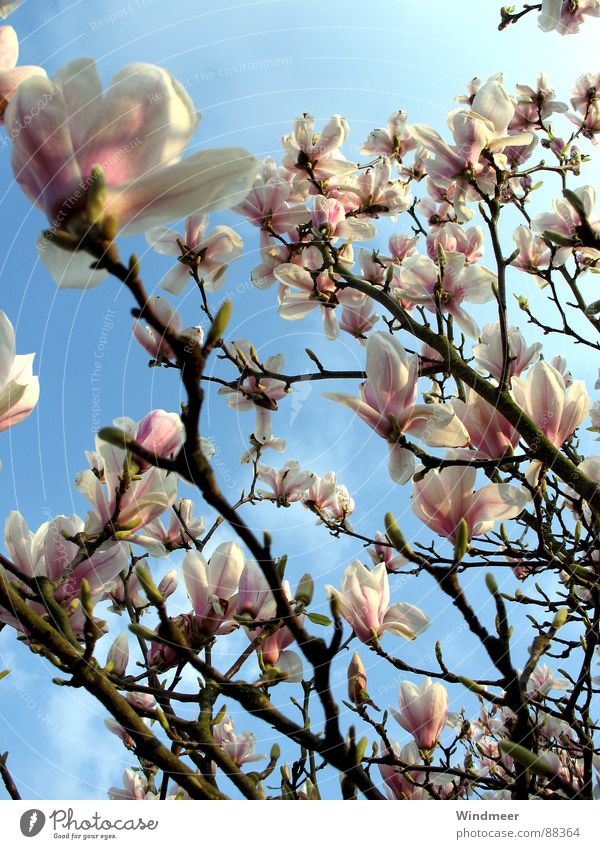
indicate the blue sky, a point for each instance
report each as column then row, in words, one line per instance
column 250, row 68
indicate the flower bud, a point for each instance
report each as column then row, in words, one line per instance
column 461, row 545
column 149, row 587
column 168, row 585
column 96, row 198
column 306, row 589
column 357, row 680
column 118, row 656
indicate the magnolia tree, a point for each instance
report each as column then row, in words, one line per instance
column 485, row 432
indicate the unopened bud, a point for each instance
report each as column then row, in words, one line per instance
column 461, row 545
column 306, row 589
column 357, row 680
column 395, row 536
column 219, row 325
column 531, row 761
column 168, row 585
column 118, row 655
column 491, row 584
column 96, row 198
column 560, row 617
column 152, row 592
column 86, row 598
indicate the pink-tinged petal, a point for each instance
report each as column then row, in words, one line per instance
column 43, row 158
column 576, row 409
column 143, row 103
column 7, row 347
column 176, row 279
column 516, row 140
column 406, row 620
column 492, row 102
column 19, row 397
column 295, row 276
column 401, row 465
column 467, row 324
column 436, row 424
column 224, row 570
column 476, row 282
column 194, row 570
column 290, row 665
column 374, row 419
column 431, row 140
column 295, row 306
column 494, row 503
column 549, row 17
column 82, row 92
column 9, row 48
column 211, row 179
column 68, row 270
column 391, row 378
column 330, row 323
column 164, row 241
column 11, row 80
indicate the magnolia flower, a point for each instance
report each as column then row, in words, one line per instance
column 180, row 533
column 533, row 104
column 304, row 289
column 565, row 16
column 209, row 253
column 19, row 389
column 454, row 238
column 239, row 748
column 533, row 254
column 376, row 190
column 358, row 318
column 488, row 352
column 402, row 246
column 584, row 99
column 566, row 220
column 145, row 497
column 256, row 393
column 11, row 77
column 543, row 396
column 118, row 655
column 49, row 552
column 329, row 498
column 394, row 141
column 318, row 152
column 159, row 432
column 267, row 206
column 135, row 788
column 387, row 404
column 423, row 711
column 482, row 129
column 383, row 552
column 136, row 132
column 287, row 483
column 424, row 282
column 256, row 600
column 398, row 783
column 329, row 219
column 148, row 337
column 442, row 498
column 364, row 603
column 542, row 681
column 489, row 432
column 211, row 586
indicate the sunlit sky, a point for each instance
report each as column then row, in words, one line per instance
column 250, row 68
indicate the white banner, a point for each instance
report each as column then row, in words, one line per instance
column 291, row 824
